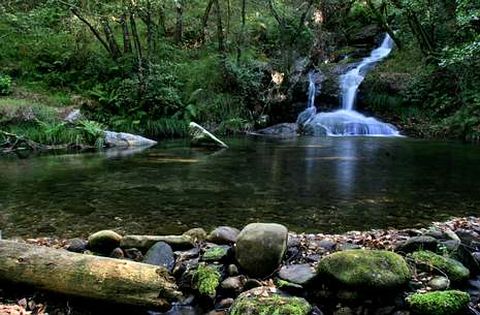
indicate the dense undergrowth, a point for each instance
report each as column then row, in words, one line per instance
column 150, row 67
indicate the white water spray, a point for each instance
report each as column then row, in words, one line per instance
column 346, row 121
column 350, row 81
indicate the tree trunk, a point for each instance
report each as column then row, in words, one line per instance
column 382, row 20
column 92, row 29
column 179, row 24
column 242, row 33
column 220, row 35
column 101, row 278
column 206, row 14
column 112, row 43
column 127, row 45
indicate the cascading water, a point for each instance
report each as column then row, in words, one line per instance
column 346, row 121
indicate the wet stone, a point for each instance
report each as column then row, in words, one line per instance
column 223, row 235
column 160, row 254
column 77, row 245
column 117, row 253
column 299, row 274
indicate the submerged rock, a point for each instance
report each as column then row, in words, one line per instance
column 453, row 269
column 104, row 241
column 122, row 139
column 369, row 269
column 223, row 235
column 200, row 136
column 260, row 248
column 266, row 300
column 439, row 303
column 279, row 130
column 160, row 254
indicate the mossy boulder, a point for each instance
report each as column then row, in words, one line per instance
column 439, row 302
column 104, row 241
column 454, row 270
column 266, row 300
column 260, row 248
column 370, row 269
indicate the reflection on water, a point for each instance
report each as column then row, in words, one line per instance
column 309, row 184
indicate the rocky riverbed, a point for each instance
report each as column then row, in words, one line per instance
column 265, row 269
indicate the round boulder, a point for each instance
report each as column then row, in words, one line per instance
column 223, row 235
column 260, row 248
column 104, row 241
column 369, row 269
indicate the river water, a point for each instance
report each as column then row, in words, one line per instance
column 309, row 184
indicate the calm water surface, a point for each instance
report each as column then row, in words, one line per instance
column 308, row 184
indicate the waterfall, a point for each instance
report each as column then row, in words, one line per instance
column 346, row 121
column 350, row 81
column 309, row 113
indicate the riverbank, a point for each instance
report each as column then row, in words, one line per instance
column 265, row 267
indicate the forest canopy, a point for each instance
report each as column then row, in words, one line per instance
column 150, row 66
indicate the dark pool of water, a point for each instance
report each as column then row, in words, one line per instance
column 308, row 184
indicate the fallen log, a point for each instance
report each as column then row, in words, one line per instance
column 88, row 276
column 144, row 242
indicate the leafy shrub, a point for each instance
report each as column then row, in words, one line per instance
column 5, row 84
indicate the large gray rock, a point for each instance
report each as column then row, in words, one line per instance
column 122, row 139
column 364, row 269
column 160, row 254
column 200, row 136
column 260, row 248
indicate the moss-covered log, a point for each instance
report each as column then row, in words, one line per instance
column 101, row 278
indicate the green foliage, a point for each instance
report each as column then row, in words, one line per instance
column 206, row 279
column 439, row 303
column 271, row 305
column 5, row 84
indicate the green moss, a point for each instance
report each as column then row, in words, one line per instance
column 215, row 253
column 370, row 269
column 439, row 303
column 206, row 279
column 454, row 270
column 272, row 305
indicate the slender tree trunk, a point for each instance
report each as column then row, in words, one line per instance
column 94, row 31
column 149, row 24
column 179, row 24
column 161, row 19
column 138, row 49
column 220, row 34
column 112, row 42
column 242, row 33
column 206, row 14
column 127, row 45
column 381, row 19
